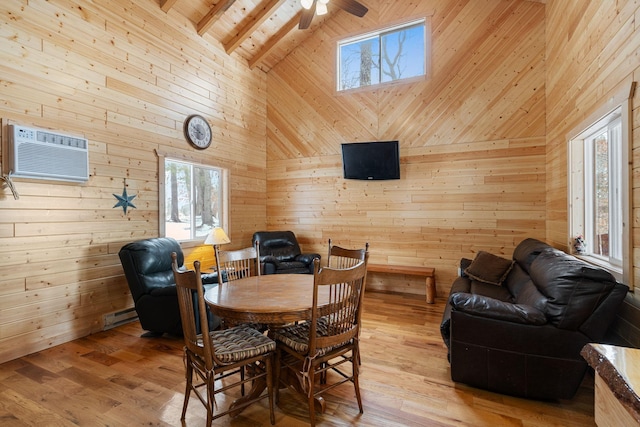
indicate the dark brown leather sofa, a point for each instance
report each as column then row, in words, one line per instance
column 522, row 335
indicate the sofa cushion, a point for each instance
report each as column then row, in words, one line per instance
column 489, row 290
column 527, row 251
column 479, row 305
column 282, row 245
column 573, row 288
column 489, row 268
column 516, row 279
column 292, row 267
column 154, row 255
column 520, row 285
column 530, row 295
column 278, row 243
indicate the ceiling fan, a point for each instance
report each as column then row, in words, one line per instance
column 319, row 7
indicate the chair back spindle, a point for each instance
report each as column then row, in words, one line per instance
column 238, row 264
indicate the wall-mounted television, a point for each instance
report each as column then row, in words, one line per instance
column 371, row 160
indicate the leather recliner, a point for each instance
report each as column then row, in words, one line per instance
column 147, row 268
column 280, row 253
column 523, row 336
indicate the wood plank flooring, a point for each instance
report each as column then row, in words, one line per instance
column 116, row 378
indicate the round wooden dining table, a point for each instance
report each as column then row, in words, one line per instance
column 274, row 300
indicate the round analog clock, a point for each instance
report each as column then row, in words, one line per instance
column 197, row 131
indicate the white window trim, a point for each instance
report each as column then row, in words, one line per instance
column 162, row 192
column 575, row 155
column 613, row 118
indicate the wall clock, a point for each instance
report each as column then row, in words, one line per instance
column 197, row 131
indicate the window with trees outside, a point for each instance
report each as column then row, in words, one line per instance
column 384, row 56
column 599, row 193
column 194, row 199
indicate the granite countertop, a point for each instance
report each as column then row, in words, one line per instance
column 619, row 367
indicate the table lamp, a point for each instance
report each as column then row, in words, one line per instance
column 217, row 237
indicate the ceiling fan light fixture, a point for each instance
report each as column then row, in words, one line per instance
column 321, row 8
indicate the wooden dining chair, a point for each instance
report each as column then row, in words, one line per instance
column 238, row 264
column 328, row 341
column 339, row 257
column 213, row 355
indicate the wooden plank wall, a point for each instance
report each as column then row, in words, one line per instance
column 592, row 54
column 124, row 74
column 482, row 140
column 472, row 140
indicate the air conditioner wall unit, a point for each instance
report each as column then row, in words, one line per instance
column 44, row 154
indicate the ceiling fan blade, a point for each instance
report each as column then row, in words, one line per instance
column 352, row 6
column 307, row 16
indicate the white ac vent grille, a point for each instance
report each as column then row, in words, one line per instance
column 41, row 154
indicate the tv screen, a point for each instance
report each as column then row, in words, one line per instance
column 371, row 160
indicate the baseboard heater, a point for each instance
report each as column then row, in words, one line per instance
column 117, row 318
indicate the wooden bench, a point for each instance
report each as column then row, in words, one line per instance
column 428, row 272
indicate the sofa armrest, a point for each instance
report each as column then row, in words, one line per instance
column 269, row 259
column 209, row 278
column 479, row 305
column 460, row 284
column 307, row 258
column 269, row 264
column 464, row 263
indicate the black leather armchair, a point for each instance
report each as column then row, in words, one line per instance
column 147, row 267
column 280, row 253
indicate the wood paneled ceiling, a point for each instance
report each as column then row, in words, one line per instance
column 260, row 31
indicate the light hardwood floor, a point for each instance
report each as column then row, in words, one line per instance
column 116, row 378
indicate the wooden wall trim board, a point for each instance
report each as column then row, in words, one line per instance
column 482, row 139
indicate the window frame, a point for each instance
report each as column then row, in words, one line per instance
column 224, row 188
column 609, row 125
column 617, row 107
column 379, row 34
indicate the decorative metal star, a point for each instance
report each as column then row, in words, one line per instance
column 124, row 200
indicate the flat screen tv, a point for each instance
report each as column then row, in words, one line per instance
column 371, row 160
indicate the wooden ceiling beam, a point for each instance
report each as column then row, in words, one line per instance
column 213, row 15
column 248, row 29
column 274, row 40
column 165, row 5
